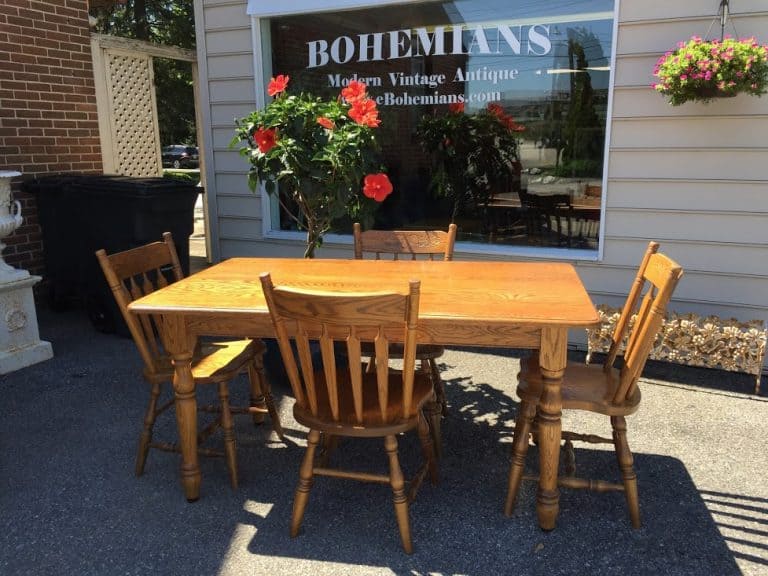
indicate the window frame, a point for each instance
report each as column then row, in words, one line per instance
column 260, row 11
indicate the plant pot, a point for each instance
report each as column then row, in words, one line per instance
column 710, row 92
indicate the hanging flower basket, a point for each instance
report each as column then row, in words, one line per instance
column 700, row 70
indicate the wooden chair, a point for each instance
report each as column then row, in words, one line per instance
column 549, row 216
column 404, row 243
column 602, row 389
column 558, row 217
column 412, row 244
column 337, row 396
column 139, row 271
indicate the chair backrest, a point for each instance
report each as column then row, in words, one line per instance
column 134, row 273
column 396, row 243
column 543, row 201
column 328, row 318
column 658, row 276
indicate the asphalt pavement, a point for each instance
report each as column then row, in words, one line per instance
column 71, row 505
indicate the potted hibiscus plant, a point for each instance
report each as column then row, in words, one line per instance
column 472, row 154
column 319, row 157
column 700, row 70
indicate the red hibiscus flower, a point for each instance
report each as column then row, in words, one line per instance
column 364, row 112
column 354, row 92
column 511, row 125
column 266, row 138
column 277, row 85
column 326, row 123
column 496, row 110
column 457, row 108
column 377, row 186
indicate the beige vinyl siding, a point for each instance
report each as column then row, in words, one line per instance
column 682, row 194
column 650, row 10
column 229, row 90
column 731, row 133
column 669, row 32
column 693, row 177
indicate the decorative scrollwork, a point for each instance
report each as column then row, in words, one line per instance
column 694, row 340
column 15, row 319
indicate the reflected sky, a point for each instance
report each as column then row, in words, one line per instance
column 474, row 11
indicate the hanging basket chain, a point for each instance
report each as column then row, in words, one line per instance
column 723, row 11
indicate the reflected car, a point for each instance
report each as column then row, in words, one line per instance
column 180, row 156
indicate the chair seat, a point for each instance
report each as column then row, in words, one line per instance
column 213, row 362
column 375, row 426
column 423, row 351
column 584, row 387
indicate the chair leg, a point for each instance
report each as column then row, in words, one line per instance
column 427, row 448
column 433, row 409
column 569, row 459
column 261, row 394
column 432, row 412
column 146, row 432
column 328, row 442
column 519, row 450
column 371, row 365
column 437, row 383
column 306, row 473
column 400, row 499
column 228, row 428
column 626, row 461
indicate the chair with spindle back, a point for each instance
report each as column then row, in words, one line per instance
column 134, row 273
column 549, row 216
column 412, row 244
column 603, row 389
column 336, row 395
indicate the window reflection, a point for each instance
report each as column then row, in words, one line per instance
column 543, row 64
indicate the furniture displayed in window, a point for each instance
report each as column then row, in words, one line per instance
column 547, row 218
column 137, row 272
column 412, row 244
column 336, row 395
column 484, row 304
column 549, row 215
column 601, row 389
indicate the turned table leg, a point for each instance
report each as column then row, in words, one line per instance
column 181, row 346
column 552, row 360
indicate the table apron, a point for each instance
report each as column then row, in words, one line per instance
column 445, row 332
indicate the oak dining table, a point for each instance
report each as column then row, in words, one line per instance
column 495, row 304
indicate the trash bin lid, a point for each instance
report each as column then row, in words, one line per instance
column 54, row 183
column 135, row 186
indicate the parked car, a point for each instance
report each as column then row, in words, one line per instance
column 180, row 156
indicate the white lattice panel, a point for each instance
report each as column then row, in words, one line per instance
column 134, row 122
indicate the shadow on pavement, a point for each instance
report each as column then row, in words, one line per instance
column 71, row 504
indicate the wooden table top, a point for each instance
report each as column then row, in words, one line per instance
column 523, row 293
column 585, row 203
column 494, row 304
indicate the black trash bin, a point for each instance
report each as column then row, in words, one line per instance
column 114, row 213
column 59, row 212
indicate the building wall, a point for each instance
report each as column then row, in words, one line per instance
column 693, row 177
column 48, row 120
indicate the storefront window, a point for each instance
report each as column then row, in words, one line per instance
column 545, row 64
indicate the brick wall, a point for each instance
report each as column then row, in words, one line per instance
column 48, row 122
